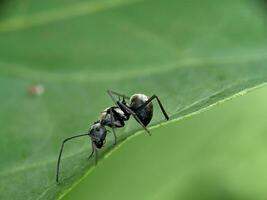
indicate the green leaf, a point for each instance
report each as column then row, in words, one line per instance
column 219, row 154
column 191, row 54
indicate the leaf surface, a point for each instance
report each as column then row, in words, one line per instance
column 218, row 154
column 191, row 54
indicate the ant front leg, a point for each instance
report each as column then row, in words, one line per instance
column 96, row 155
column 94, row 152
column 160, row 105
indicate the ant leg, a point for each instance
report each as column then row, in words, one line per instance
column 135, row 117
column 112, row 126
column 160, row 105
column 95, row 154
column 93, row 151
column 118, row 94
column 111, row 93
column 61, row 150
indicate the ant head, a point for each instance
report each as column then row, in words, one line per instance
column 98, row 134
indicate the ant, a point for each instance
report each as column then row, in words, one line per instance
column 140, row 107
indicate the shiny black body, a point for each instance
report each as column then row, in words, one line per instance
column 139, row 106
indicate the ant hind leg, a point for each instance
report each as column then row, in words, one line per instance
column 111, row 93
column 160, row 105
column 135, row 117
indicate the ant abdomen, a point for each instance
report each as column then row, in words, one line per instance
column 144, row 113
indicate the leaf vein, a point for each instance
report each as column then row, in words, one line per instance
column 83, row 8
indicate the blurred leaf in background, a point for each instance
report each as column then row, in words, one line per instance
column 192, row 54
column 2, row 6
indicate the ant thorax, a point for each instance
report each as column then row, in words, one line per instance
column 116, row 121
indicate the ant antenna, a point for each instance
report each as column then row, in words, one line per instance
column 61, row 150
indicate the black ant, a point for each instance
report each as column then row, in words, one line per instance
column 140, row 107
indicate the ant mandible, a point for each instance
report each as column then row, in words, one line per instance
column 140, row 107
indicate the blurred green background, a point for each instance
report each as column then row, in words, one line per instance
column 58, row 58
